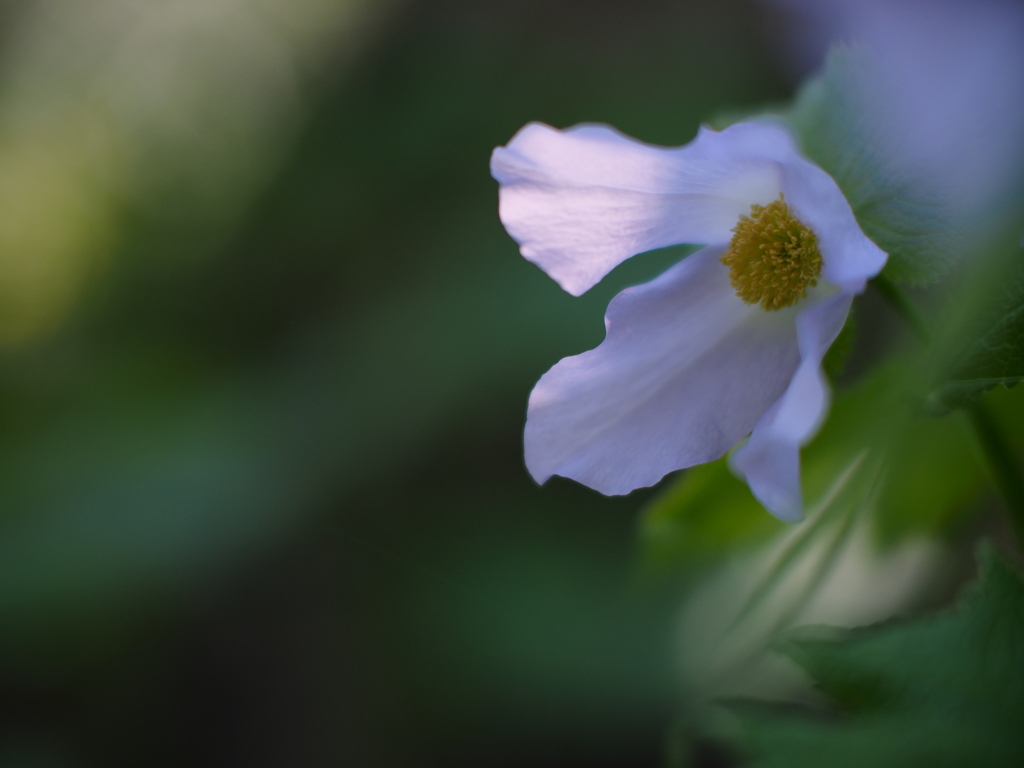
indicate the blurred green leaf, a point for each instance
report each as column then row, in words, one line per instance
column 993, row 338
column 939, row 691
column 707, row 512
column 933, row 477
column 926, row 466
column 835, row 116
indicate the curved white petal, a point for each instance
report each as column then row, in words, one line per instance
column 849, row 258
column 685, row 371
column 581, row 201
column 770, row 460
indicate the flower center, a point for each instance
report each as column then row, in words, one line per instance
column 772, row 258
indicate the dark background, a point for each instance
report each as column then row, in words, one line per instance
column 263, row 499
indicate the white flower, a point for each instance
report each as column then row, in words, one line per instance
column 688, row 368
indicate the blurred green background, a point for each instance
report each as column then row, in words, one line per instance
column 266, row 350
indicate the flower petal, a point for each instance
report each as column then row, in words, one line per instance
column 685, row 371
column 770, row 460
column 581, row 201
column 849, row 258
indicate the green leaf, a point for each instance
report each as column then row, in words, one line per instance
column 840, row 120
column 933, row 475
column 928, row 472
column 988, row 331
column 939, row 691
column 704, row 514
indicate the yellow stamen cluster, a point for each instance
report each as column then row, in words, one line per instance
column 772, row 258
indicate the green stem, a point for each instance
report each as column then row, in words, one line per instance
column 790, row 555
column 906, row 309
column 823, row 568
column 831, row 557
column 1004, row 464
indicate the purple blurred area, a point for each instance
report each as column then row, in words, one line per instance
column 950, row 82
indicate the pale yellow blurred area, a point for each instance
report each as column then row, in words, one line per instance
column 180, row 110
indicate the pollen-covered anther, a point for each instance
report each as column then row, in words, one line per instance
column 772, row 258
